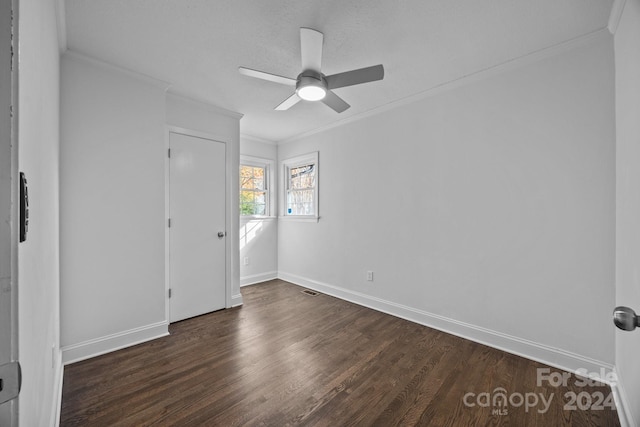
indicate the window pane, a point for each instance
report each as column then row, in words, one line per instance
column 300, row 185
column 258, row 172
column 253, row 194
column 247, row 202
column 300, row 202
column 258, row 178
column 246, row 177
column 247, row 183
column 246, row 171
column 247, row 196
column 246, row 209
column 252, row 177
column 258, row 183
column 302, row 177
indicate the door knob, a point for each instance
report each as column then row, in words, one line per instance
column 625, row 318
column 221, row 234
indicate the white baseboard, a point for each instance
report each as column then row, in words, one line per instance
column 521, row 347
column 258, row 278
column 96, row 347
column 622, row 403
column 236, row 300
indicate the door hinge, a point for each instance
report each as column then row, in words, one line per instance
column 169, row 222
column 10, row 381
column 169, row 292
column 169, row 153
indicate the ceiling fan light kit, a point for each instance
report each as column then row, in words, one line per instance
column 311, row 84
column 311, row 88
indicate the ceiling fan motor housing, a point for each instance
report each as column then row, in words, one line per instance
column 310, row 78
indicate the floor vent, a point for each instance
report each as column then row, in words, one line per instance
column 309, row 292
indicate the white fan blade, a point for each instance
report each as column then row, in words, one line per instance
column 289, row 102
column 355, row 77
column 267, row 76
column 335, row 102
column 311, row 49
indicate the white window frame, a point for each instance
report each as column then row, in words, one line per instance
column 285, row 166
column 269, row 180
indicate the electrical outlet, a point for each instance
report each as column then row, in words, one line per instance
column 369, row 276
column 246, row 260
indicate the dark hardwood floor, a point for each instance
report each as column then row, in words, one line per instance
column 286, row 358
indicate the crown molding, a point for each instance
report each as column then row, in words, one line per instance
column 82, row 58
column 257, row 139
column 171, row 92
column 615, row 15
column 511, row 64
column 165, row 86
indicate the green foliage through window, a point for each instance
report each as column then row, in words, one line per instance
column 253, row 190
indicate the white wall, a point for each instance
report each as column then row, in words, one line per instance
column 112, row 175
column 38, row 267
column 486, row 210
column 627, row 63
column 222, row 125
column 259, row 237
column 113, row 218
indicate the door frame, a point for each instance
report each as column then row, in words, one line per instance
column 228, row 223
column 9, row 208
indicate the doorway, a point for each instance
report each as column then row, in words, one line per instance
column 197, row 226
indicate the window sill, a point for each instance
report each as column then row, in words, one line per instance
column 257, row 218
column 300, row 218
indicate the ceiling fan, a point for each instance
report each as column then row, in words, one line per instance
column 311, row 84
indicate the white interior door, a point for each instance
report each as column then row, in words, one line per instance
column 197, row 254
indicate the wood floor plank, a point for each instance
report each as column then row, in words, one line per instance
column 288, row 359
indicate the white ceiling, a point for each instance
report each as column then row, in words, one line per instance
column 197, row 46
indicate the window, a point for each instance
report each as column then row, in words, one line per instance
column 255, row 199
column 300, row 198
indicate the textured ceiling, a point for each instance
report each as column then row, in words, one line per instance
column 197, row 46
